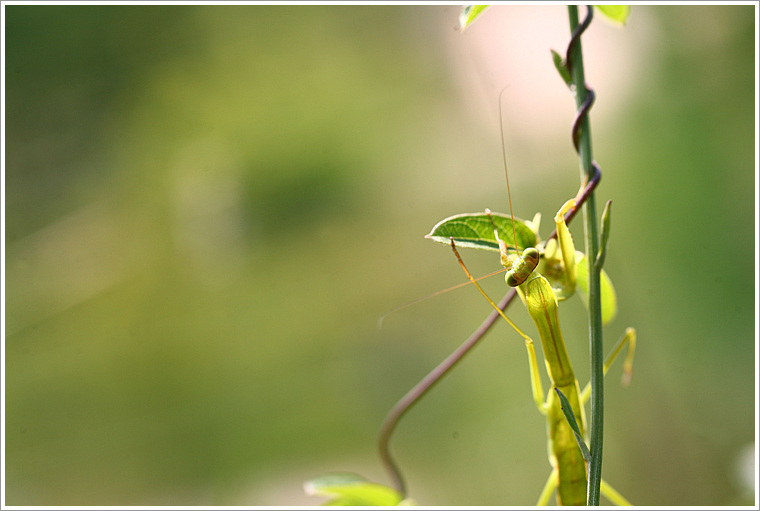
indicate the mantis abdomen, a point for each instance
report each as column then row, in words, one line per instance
column 564, row 453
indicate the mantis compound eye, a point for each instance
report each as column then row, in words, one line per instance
column 522, row 267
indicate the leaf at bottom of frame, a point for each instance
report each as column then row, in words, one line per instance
column 348, row 489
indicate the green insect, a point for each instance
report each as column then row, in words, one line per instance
column 544, row 274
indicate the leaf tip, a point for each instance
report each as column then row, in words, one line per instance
column 469, row 14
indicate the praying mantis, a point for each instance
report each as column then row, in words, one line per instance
column 543, row 275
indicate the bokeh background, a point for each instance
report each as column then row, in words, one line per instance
column 209, row 207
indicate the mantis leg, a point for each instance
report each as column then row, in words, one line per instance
column 608, row 491
column 535, row 377
column 549, row 488
column 629, row 337
column 560, row 259
column 612, row 495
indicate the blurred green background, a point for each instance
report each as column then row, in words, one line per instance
column 209, row 207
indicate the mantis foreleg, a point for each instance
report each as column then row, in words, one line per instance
column 567, row 248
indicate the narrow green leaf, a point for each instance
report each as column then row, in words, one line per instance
column 609, row 298
column 605, row 235
column 561, row 66
column 570, row 416
column 475, row 230
column 468, row 15
column 348, row 489
column 617, row 13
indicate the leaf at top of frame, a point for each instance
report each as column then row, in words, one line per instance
column 475, row 230
column 616, row 13
column 468, row 15
column 348, row 489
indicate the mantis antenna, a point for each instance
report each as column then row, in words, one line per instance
column 506, row 172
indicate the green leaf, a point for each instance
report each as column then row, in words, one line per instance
column 348, row 489
column 468, row 15
column 475, row 230
column 562, row 69
column 617, row 13
column 605, row 238
column 609, row 298
column 570, row 416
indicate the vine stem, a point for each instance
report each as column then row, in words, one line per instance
column 575, row 63
column 419, row 390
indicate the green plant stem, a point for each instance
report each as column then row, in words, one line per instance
column 592, row 248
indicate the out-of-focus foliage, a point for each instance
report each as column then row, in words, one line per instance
column 347, row 489
column 208, row 208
